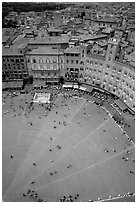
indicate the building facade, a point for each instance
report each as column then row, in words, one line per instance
column 13, row 64
column 45, row 64
column 101, row 70
column 72, row 63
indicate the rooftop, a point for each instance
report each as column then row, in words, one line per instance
column 92, row 37
column 107, row 20
column 75, row 50
column 44, row 51
column 48, row 40
column 107, row 30
column 52, row 29
column 10, row 51
column 5, row 38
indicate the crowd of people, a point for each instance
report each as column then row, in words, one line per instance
column 100, row 95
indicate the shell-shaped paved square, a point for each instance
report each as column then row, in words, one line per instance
column 71, row 149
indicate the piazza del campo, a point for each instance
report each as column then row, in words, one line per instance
column 68, row 101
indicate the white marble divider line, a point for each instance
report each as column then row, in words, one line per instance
column 98, row 163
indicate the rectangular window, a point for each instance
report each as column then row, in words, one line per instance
column 86, row 68
column 87, row 61
column 28, row 60
column 109, row 58
column 110, row 51
column 71, row 69
column 81, row 69
column 108, row 66
column 125, row 73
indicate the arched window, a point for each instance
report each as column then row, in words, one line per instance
column 34, row 60
column 21, row 60
column 54, row 67
column 40, row 60
column 17, row 60
column 48, row 60
column 12, row 60
column 48, row 66
column 54, row 60
column 35, row 67
column 28, row 60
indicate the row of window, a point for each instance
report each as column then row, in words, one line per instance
column 48, row 67
column 15, row 75
column 99, row 72
column 14, row 67
column 129, row 75
column 44, row 75
column 115, row 69
column 13, row 64
column 104, row 24
column 72, row 61
column 125, row 91
column 94, row 63
column 14, row 72
column 41, row 61
column 72, row 54
column 10, row 60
